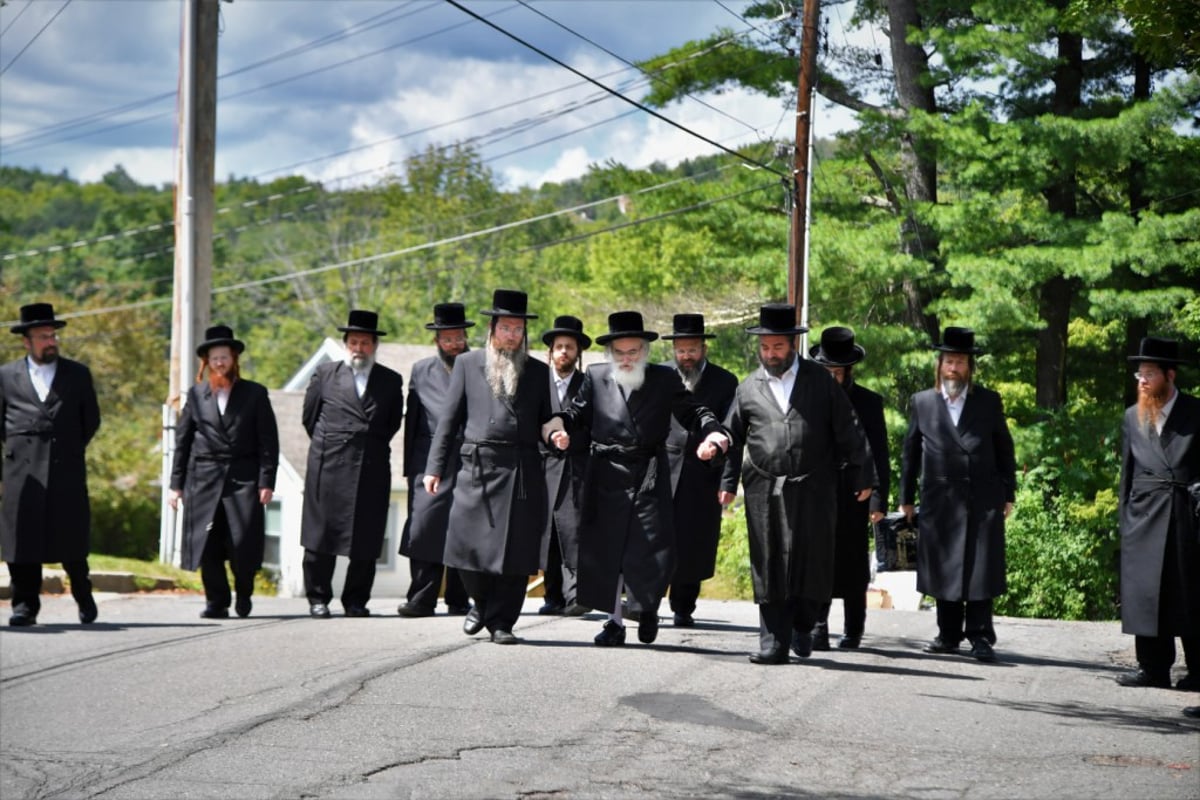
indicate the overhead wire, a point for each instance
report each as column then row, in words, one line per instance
column 41, row 30
column 13, row 21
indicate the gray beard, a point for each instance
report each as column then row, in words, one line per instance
column 504, row 370
column 953, row 388
column 691, row 377
column 631, row 380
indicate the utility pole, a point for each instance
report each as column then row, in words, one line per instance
column 194, row 210
column 802, row 173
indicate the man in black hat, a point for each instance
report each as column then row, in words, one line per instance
column 695, row 483
column 352, row 409
column 839, row 354
column 628, row 535
column 48, row 415
column 424, row 537
column 959, row 447
column 498, row 400
column 793, row 429
column 1160, row 520
column 565, row 469
column 226, row 455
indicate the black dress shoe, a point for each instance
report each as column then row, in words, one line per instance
column 504, row 637
column 458, row 611
column 411, row 611
column 849, row 642
column 1142, row 678
column 648, row 628
column 1192, row 711
column 473, row 623
column 319, row 611
column 214, row 612
column 575, row 610
column 243, row 607
column 611, row 635
column 802, row 644
column 684, row 621
column 552, row 609
column 1189, row 683
column 940, row 646
column 981, row 650
column 21, row 619
column 820, row 641
column 631, row 614
column 88, row 611
column 776, row 655
column 358, row 611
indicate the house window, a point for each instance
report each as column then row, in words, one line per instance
column 274, row 521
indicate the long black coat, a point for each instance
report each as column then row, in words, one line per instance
column 348, row 483
column 221, row 461
column 424, row 535
column 566, row 471
column 788, row 463
column 967, row 474
column 45, row 516
column 852, row 570
column 499, row 513
column 1160, row 532
column 695, row 483
column 628, row 526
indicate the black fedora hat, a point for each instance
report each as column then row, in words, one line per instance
column 219, row 335
column 837, row 348
column 777, row 319
column 688, row 326
column 567, row 325
column 626, row 325
column 362, row 322
column 36, row 315
column 509, row 303
column 1158, row 350
column 958, row 340
column 449, row 317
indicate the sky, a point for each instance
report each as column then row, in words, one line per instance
column 342, row 91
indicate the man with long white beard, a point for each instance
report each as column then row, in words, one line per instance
column 627, row 539
column 959, row 447
column 498, row 401
column 1160, row 517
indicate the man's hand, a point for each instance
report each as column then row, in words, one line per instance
column 431, row 483
column 863, row 495
column 725, row 498
column 713, row 444
column 174, row 498
column 908, row 512
column 548, row 429
column 1008, row 507
column 560, row 439
column 264, row 495
column 876, row 516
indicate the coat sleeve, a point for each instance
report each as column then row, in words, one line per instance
column 578, row 415
column 185, row 434
column 1006, row 460
column 875, row 425
column 851, row 441
column 267, row 432
column 395, row 408
column 414, row 420
column 692, row 415
column 910, row 455
column 90, row 407
column 312, row 404
column 450, row 422
column 736, row 427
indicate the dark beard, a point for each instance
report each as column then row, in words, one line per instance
column 504, row 368
column 777, row 372
column 691, row 376
column 1150, row 406
column 448, row 358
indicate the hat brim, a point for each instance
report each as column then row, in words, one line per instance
column 433, row 326
column 971, row 351
column 502, row 312
column 356, row 329
column 816, row 355
column 1165, row 360
column 759, row 330
column 237, row 345
column 549, row 336
column 649, row 336
column 669, row 336
column 39, row 323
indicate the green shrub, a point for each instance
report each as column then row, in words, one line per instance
column 733, row 556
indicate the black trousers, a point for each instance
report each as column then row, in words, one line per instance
column 318, row 579
column 218, row 549
column 1156, row 654
column 27, row 584
column 498, row 598
column 426, row 582
column 970, row 619
column 683, row 597
column 559, row 578
column 776, row 621
column 854, row 615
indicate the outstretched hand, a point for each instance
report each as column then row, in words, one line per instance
column 431, row 483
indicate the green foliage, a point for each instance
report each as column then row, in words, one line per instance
column 733, row 554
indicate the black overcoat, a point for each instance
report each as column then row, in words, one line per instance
column 424, row 535
column 499, row 513
column 221, row 461
column 967, row 473
column 44, row 515
column 1160, row 533
column 628, row 524
column 852, row 568
column 566, row 471
column 788, row 464
column 348, row 483
column 695, row 483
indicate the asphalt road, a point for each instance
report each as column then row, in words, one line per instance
column 153, row 702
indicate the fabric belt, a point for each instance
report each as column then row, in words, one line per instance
column 481, row 478
column 632, row 454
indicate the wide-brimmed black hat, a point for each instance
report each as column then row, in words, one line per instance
column 509, row 303
column 837, row 348
column 362, row 322
column 449, row 317
column 219, row 335
column 958, row 340
column 688, row 326
column 626, row 325
column 567, row 325
column 36, row 315
column 1158, row 350
column 777, row 319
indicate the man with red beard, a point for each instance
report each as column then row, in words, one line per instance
column 226, row 455
column 959, row 447
column 1160, row 504
column 48, row 415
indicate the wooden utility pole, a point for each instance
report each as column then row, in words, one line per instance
column 801, row 174
column 194, row 210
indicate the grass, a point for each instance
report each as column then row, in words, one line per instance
column 145, row 572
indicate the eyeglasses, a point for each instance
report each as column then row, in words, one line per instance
column 45, row 337
column 505, row 329
column 1146, row 377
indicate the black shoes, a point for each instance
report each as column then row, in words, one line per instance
column 941, row 646
column 648, row 628
column 457, row 611
column 411, row 611
column 611, row 635
column 1144, row 679
column 88, row 610
column 243, row 607
column 22, row 619
column 319, row 611
column 473, row 623
column 1192, row 711
column 849, row 642
column 684, row 621
column 575, row 610
column 1189, row 683
column 820, row 637
column 802, row 645
column 214, row 612
column 776, row 655
column 504, row 637
column 549, row 609
column 358, row 611
column 981, row 650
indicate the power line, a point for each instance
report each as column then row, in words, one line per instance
column 35, row 36
column 13, row 21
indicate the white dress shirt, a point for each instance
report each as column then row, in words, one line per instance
column 782, row 386
column 561, row 384
column 1161, row 419
column 222, row 400
column 361, row 376
column 41, row 376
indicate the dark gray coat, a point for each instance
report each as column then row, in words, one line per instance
column 789, row 465
column 424, row 535
column 222, row 461
column 348, row 484
column 499, row 513
column 967, row 474
column 628, row 526
column 1160, row 532
column 44, row 515
column 566, row 472
column 852, row 569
